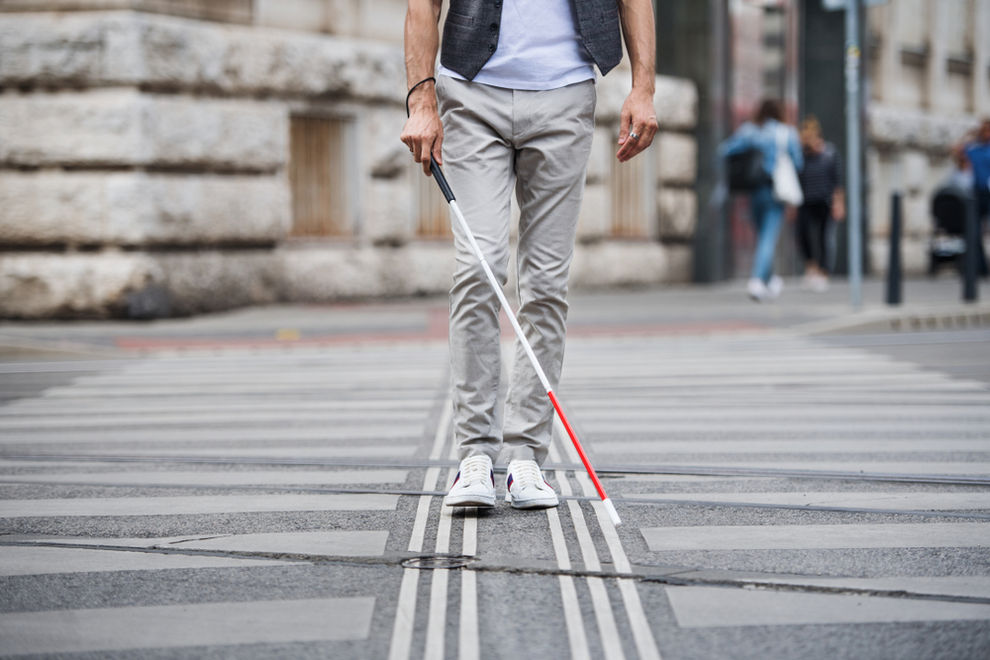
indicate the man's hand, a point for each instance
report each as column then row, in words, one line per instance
column 423, row 132
column 638, row 121
column 637, row 125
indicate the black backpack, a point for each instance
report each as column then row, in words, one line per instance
column 745, row 170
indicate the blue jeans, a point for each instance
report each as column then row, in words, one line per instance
column 767, row 214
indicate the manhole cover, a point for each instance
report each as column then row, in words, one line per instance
column 431, row 562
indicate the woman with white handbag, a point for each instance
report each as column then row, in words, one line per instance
column 778, row 145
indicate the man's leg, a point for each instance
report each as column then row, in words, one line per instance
column 478, row 164
column 553, row 134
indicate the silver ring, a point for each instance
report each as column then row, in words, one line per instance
column 633, row 136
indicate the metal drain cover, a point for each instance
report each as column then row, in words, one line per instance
column 433, row 562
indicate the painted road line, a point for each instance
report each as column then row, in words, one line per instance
column 817, row 537
column 290, row 419
column 346, row 543
column 436, row 622
column 907, row 501
column 711, row 425
column 576, row 637
column 798, row 445
column 405, row 614
column 97, row 407
column 234, row 452
column 469, row 634
column 809, row 411
column 209, row 504
column 711, row 607
column 214, row 478
column 338, row 543
column 327, row 389
column 604, row 616
column 863, row 467
column 631, row 401
column 201, row 624
column 254, row 432
column 646, row 645
column 34, row 560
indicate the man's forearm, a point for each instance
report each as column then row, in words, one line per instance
column 422, row 39
column 639, row 32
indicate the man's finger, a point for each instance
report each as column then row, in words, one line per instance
column 438, row 150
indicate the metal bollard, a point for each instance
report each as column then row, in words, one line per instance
column 970, row 259
column 894, row 262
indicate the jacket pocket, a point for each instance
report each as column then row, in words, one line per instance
column 459, row 19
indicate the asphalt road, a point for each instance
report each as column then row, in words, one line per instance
column 793, row 481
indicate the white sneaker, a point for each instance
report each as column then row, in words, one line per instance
column 775, row 286
column 526, row 488
column 756, row 289
column 474, row 484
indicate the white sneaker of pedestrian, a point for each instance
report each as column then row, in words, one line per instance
column 756, row 289
column 526, row 488
column 814, row 283
column 474, row 484
column 775, row 286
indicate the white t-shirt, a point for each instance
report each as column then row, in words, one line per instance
column 538, row 48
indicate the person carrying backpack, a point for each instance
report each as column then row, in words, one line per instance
column 776, row 143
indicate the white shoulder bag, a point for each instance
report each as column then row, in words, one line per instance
column 786, row 187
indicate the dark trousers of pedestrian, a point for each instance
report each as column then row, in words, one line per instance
column 812, row 228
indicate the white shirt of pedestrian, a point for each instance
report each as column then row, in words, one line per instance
column 538, row 48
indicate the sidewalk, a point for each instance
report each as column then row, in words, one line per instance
column 669, row 310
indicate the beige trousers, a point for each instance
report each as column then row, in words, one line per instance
column 536, row 143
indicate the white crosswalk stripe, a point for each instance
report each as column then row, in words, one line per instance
column 788, row 405
column 147, row 423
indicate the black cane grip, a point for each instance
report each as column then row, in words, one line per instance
column 441, row 180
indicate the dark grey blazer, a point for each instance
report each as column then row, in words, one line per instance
column 470, row 33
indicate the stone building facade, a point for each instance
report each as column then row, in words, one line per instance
column 169, row 157
column 929, row 73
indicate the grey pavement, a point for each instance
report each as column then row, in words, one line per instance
column 795, row 480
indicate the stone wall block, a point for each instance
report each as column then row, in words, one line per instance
column 603, row 148
column 197, row 210
column 595, row 221
column 52, row 209
column 385, row 212
column 676, row 100
column 206, row 281
column 137, row 209
column 128, row 128
column 100, row 285
column 224, row 134
column 678, row 212
column 387, row 157
column 325, row 275
column 609, row 264
column 677, row 158
column 899, row 127
column 113, row 48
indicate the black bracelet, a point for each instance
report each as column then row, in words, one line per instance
column 413, row 88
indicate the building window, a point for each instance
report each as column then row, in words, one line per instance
column 432, row 214
column 630, row 198
column 321, row 202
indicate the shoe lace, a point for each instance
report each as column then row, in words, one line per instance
column 526, row 473
column 475, row 468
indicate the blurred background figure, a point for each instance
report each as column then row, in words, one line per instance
column 767, row 133
column 824, row 200
column 977, row 152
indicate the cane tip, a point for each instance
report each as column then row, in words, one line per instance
column 612, row 513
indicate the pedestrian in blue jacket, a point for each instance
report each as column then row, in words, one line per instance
column 768, row 133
